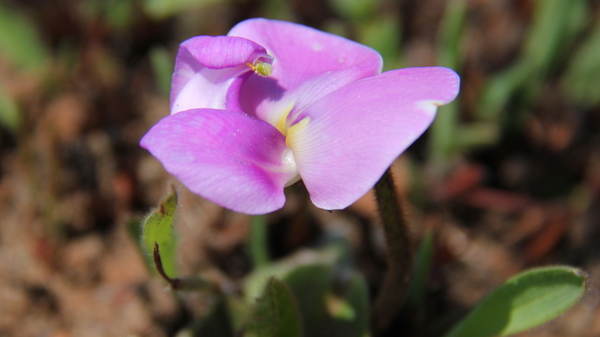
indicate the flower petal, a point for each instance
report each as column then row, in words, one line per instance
column 344, row 142
column 288, row 101
column 232, row 159
column 302, row 52
column 210, row 70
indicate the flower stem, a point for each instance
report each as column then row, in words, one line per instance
column 399, row 255
column 259, row 250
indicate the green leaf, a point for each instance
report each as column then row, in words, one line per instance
column 310, row 276
column 255, row 282
column 352, row 317
column 20, row 42
column 158, row 228
column 532, row 298
column 310, row 285
column 275, row 313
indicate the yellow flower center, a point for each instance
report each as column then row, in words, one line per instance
column 291, row 139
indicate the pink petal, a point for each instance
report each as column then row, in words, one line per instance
column 232, row 159
column 302, row 52
column 344, row 142
column 271, row 109
column 210, row 70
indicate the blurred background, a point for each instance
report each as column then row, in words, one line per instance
column 508, row 177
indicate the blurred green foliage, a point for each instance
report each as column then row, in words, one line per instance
column 382, row 33
column 160, row 9
column 118, row 14
column 258, row 243
column 582, row 78
column 162, row 66
column 327, row 304
column 9, row 112
column 22, row 46
column 216, row 323
column 422, row 268
column 553, row 30
column 20, row 43
column 355, row 9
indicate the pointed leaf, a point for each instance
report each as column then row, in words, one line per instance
column 158, row 228
column 530, row 299
column 275, row 313
column 310, row 276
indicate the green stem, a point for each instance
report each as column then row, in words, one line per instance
column 399, row 255
column 259, row 246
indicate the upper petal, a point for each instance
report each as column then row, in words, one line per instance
column 209, row 71
column 232, row 159
column 344, row 142
column 301, row 52
column 288, row 102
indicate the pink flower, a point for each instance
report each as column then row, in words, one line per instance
column 274, row 102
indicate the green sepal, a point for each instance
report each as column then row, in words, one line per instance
column 158, row 228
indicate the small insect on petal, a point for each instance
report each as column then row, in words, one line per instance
column 261, row 68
